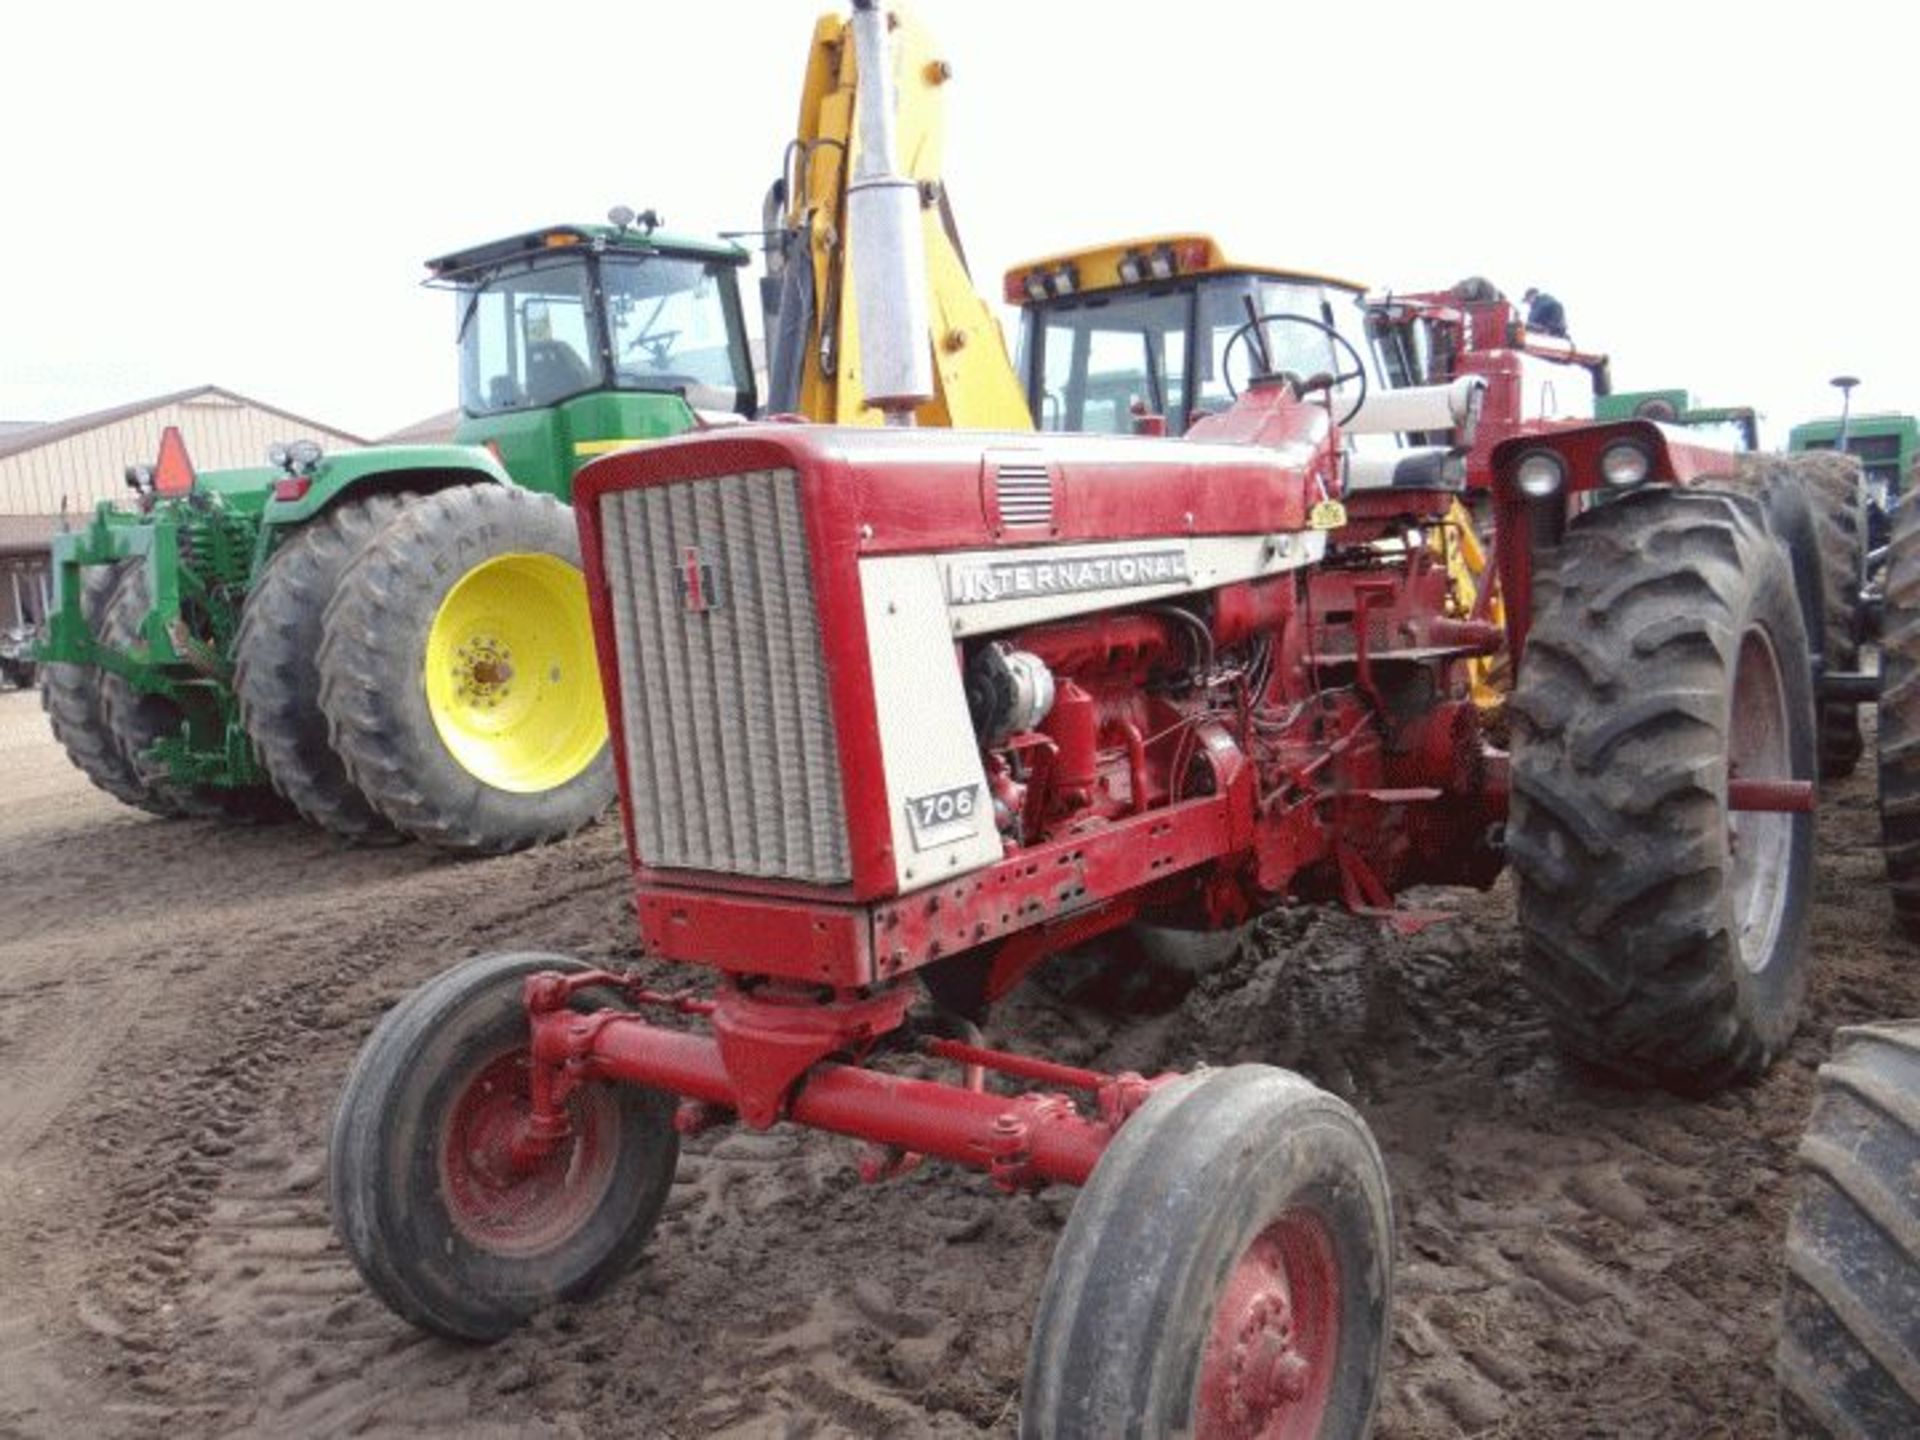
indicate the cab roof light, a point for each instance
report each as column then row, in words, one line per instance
column 1193, row 255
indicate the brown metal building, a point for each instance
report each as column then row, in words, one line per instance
column 53, row 474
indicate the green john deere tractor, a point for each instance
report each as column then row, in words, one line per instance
column 393, row 642
column 1887, row 446
column 1728, row 427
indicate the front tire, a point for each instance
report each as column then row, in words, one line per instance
column 1226, row 1272
column 458, row 675
column 1665, row 934
column 438, row 1224
column 1849, row 1354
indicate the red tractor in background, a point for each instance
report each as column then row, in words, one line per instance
column 898, row 714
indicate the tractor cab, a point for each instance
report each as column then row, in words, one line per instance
column 1886, row 444
column 1140, row 335
column 1724, row 427
column 577, row 340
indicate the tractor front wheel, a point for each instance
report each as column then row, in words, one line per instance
column 1665, row 931
column 427, row 1198
column 1226, row 1273
column 458, row 675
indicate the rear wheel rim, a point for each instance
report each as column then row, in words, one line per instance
column 1759, row 747
column 1272, row 1350
column 511, row 678
column 520, row 1211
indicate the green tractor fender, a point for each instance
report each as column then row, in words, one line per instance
column 356, row 473
column 383, row 468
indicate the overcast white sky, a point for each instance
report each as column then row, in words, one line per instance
column 244, row 194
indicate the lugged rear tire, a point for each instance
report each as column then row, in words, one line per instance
column 1665, row 938
column 423, row 1197
column 1899, row 715
column 1816, row 504
column 378, row 693
column 1838, row 495
column 1849, row 1354
column 70, row 695
column 277, row 671
column 1227, row 1271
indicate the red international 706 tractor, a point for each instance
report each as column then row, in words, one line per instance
column 899, row 713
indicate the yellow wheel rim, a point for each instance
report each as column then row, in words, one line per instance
column 512, row 683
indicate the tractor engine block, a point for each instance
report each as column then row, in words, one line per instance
column 880, row 707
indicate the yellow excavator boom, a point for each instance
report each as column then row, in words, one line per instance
column 815, row 339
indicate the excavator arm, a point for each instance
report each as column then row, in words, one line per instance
column 824, row 239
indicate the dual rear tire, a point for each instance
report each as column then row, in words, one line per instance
column 423, row 667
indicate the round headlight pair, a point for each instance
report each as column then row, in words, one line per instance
column 1539, row 475
column 1623, row 463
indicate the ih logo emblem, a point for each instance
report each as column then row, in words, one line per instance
column 699, row 581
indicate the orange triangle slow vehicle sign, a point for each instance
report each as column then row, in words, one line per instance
column 173, row 474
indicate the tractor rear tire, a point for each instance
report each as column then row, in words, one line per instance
column 70, row 694
column 1899, row 716
column 277, row 673
column 1816, row 505
column 1849, row 1354
column 137, row 721
column 1837, row 492
column 458, row 675
column 1665, row 934
column 1228, row 1270
column 438, row 1224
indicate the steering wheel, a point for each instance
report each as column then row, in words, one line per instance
column 658, row 343
column 1316, row 382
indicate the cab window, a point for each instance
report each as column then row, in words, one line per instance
column 526, row 340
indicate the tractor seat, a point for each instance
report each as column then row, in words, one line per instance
column 555, row 370
column 1425, row 467
column 1420, row 408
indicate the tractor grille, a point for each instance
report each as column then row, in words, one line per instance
column 1024, row 489
column 731, row 753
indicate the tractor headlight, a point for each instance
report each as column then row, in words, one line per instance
column 1624, row 463
column 1539, row 475
column 277, row 456
column 304, row 454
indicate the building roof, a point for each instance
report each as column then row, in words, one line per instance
column 56, row 430
column 14, row 427
column 29, row 532
column 433, row 429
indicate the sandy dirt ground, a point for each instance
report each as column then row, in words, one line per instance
column 179, row 1003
